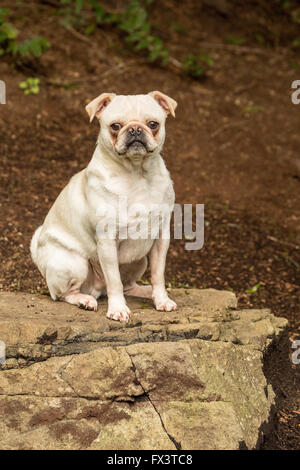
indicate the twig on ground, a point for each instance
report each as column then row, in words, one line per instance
column 240, row 89
column 226, row 126
column 244, row 49
column 56, row 82
column 86, row 40
column 292, row 245
column 78, row 35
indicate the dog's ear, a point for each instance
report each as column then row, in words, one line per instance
column 95, row 107
column 168, row 104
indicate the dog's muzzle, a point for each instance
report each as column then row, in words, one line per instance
column 136, row 137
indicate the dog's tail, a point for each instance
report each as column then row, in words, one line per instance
column 34, row 244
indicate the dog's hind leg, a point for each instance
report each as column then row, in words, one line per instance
column 130, row 273
column 138, row 291
column 67, row 276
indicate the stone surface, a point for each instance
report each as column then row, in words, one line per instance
column 190, row 379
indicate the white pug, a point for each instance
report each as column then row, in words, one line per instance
column 77, row 261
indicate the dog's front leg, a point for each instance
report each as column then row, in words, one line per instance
column 158, row 256
column 108, row 257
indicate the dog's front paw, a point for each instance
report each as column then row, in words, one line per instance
column 121, row 313
column 165, row 304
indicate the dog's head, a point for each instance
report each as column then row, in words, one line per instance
column 133, row 125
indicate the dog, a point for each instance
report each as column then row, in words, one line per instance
column 78, row 263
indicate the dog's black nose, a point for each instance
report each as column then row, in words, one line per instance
column 135, row 131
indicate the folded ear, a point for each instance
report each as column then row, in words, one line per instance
column 95, row 107
column 168, row 104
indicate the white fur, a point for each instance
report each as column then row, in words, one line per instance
column 77, row 264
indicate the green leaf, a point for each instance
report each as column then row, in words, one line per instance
column 165, row 56
column 253, row 289
column 253, row 109
column 144, row 44
column 260, row 39
column 69, row 86
column 90, row 29
column 207, row 59
column 136, row 36
column 193, row 67
column 154, row 55
column 145, row 28
column 9, row 31
column 31, row 85
column 35, row 48
column 99, row 11
column 134, row 17
column 78, row 6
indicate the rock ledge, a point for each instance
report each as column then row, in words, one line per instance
column 190, row 379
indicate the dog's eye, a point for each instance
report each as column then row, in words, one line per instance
column 116, row 126
column 153, row 124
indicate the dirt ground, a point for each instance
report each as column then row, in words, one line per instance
column 234, row 147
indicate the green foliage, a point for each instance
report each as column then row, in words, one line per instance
column 235, row 40
column 9, row 44
column 197, row 65
column 100, row 13
column 34, row 46
column 8, row 33
column 133, row 21
column 30, row 86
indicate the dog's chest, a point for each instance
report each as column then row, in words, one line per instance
column 141, row 200
column 138, row 191
column 141, row 209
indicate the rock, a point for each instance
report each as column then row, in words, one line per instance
column 190, row 379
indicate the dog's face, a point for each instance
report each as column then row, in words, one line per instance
column 134, row 125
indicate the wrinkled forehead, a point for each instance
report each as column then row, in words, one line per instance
column 133, row 108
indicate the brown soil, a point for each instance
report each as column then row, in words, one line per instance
column 233, row 147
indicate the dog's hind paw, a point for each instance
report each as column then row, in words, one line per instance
column 87, row 302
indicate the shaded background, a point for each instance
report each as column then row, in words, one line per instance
column 234, row 145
